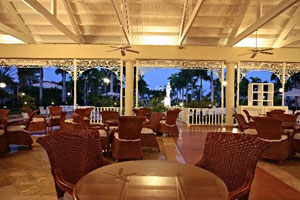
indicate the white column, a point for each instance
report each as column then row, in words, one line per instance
column 137, row 85
column 222, row 92
column 283, row 83
column 229, row 93
column 121, row 87
column 75, row 83
column 129, row 88
column 238, row 84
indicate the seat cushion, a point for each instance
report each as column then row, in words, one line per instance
column 15, row 128
column 86, row 118
column 162, row 121
column 38, row 119
column 55, row 117
column 283, row 137
column 1, row 132
column 111, row 128
column 69, row 121
column 102, row 133
column 250, row 131
column 124, row 140
column 147, row 131
column 297, row 136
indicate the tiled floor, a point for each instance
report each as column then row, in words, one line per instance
column 25, row 174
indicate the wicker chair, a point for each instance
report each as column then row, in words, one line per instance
column 4, row 147
column 249, row 117
column 38, row 123
column 126, row 142
column 72, row 155
column 169, row 126
column 245, row 127
column 296, row 141
column 143, row 112
column 87, row 115
column 19, row 134
column 54, row 112
column 149, row 131
column 270, row 130
column 233, row 158
column 110, row 115
column 4, row 115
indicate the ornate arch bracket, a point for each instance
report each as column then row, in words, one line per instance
column 291, row 69
column 275, row 68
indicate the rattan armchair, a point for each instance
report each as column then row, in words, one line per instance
column 233, row 158
column 270, row 130
column 169, row 127
column 38, row 122
column 19, row 134
column 4, row 147
column 149, row 131
column 126, row 143
column 143, row 112
column 110, row 116
column 54, row 112
column 245, row 127
column 296, row 141
column 72, row 155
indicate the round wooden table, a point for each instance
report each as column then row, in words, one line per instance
column 150, row 179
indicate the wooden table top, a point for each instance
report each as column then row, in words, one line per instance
column 150, row 179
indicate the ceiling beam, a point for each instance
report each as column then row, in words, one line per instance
column 72, row 19
column 287, row 29
column 54, row 7
column 18, row 20
column 52, row 19
column 240, row 17
column 259, row 11
column 290, row 40
column 119, row 15
column 190, row 22
column 185, row 6
column 283, row 5
column 6, row 29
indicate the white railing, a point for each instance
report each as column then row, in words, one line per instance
column 96, row 116
column 202, row 116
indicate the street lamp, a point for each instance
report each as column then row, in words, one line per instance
column 106, row 81
column 2, row 85
column 22, row 94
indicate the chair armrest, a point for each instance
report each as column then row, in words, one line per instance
column 62, row 183
column 243, row 189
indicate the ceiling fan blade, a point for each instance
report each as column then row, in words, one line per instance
column 112, row 50
column 245, row 54
column 269, row 53
column 114, row 47
column 126, row 47
column 123, row 53
column 253, row 55
column 133, row 51
column 268, row 49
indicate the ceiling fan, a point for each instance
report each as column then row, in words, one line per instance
column 255, row 51
column 122, row 49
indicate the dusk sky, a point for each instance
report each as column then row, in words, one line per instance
column 159, row 77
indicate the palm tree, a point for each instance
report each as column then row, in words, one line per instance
column 27, row 77
column 63, row 75
column 7, row 76
column 255, row 79
column 202, row 75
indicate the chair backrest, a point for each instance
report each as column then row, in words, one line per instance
column 72, row 154
column 277, row 111
column 69, row 126
column 172, row 116
column 241, row 121
column 249, row 117
column 143, row 112
column 31, row 115
column 81, row 112
column 108, row 115
column 268, row 128
column 4, row 114
column 232, row 156
column 55, row 110
column 155, row 119
column 130, row 127
column 291, row 117
column 88, row 112
column 27, row 110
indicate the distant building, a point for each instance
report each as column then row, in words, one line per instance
column 48, row 85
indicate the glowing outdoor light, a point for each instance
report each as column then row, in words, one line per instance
column 106, row 80
column 52, row 103
column 69, row 93
column 22, row 94
column 224, row 83
column 181, row 104
column 25, row 102
column 280, row 90
column 2, row 85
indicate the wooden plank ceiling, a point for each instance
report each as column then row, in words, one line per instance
column 157, row 22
